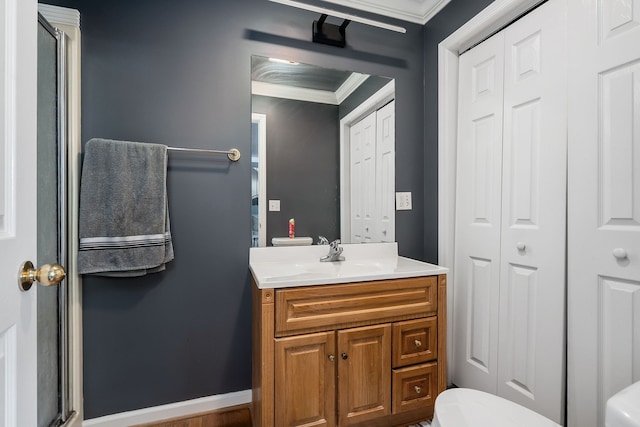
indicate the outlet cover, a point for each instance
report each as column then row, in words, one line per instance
column 274, row 205
column 403, row 201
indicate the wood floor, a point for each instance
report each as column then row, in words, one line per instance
column 236, row 416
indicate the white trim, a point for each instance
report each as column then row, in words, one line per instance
column 419, row 16
column 492, row 18
column 352, row 83
column 172, row 410
column 275, row 90
column 60, row 15
column 292, row 92
column 261, row 120
column 375, row 101
column 341, row 15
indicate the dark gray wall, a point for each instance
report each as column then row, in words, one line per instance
column 449, row 19
column 303, row 169
column 177, row 72
column 362, row 93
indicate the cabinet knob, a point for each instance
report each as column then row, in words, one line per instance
column 620, row 253
column 521, row 246
column 345, row 356
column 417, row 389
column 418, row 343
column 331, row 358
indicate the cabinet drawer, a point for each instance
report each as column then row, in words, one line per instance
column 316, row 308
column 414, row 387
column 415, row 341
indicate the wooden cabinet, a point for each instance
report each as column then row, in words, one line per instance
column 358, row 354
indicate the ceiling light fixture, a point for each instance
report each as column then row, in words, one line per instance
column 333, row 34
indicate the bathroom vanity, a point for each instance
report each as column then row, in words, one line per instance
column 361, row 342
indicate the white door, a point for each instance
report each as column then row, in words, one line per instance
column 385, row 173
column 356, row 170
column 603, row 205
column 363, row 179
column 18, row 48
column 531, row 349
column 478, row 215
column 509, row 295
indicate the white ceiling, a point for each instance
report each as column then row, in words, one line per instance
column 417, row 11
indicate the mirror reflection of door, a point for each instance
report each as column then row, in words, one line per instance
column 51, row 224
column 310, row 111
column 258, row 179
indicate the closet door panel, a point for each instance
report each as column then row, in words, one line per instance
column 368, row 183
column 478, row 216
column 532, row 295
column 363, row 177
column 356, row 170
column 385, row 173
column 603, row 206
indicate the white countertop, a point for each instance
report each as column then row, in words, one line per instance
column 281, row 267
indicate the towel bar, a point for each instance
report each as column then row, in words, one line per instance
column 233, row 154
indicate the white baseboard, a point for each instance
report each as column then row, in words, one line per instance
column 172, row 410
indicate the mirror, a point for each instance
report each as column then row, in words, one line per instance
column 323, row 153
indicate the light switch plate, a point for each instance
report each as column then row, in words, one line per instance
column 403, row 201
column 274, row 205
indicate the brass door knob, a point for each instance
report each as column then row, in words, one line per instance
column 47, row 275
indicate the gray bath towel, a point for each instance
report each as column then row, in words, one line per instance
column 124, row 217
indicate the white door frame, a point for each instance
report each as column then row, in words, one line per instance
column 374, row 102
column 494, row 17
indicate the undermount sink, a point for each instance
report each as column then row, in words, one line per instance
column 278, row 267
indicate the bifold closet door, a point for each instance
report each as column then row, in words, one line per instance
column 509, row 295
column 531, row 349
column 478, row 215
column 385, row 173
column 372, row 160
column 363, row 176
column 604, row 206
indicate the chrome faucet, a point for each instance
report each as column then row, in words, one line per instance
column 322, row 240
column 335, row 252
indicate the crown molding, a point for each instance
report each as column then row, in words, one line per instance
column 310, row 95
column 416, row 12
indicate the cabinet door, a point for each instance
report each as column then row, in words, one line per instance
column 305, row 380
column 364, row 374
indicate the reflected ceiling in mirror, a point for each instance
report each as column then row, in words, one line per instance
column 302, row 117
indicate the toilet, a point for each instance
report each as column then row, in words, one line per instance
column 463, row 407
column 623, row 408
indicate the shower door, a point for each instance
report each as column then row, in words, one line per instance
column 51, row 224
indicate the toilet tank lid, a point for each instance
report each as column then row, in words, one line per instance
column 623, row 408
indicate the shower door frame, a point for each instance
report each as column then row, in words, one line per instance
column 64, row 25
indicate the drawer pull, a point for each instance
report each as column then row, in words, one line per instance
column 345, row 356
column 417, row 389
column 331, row 358
column 418, row 343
